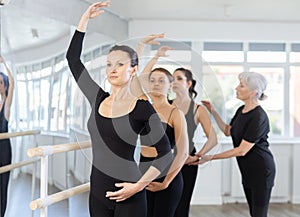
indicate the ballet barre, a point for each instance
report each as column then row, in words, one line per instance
column 44, row 152
column 10, row 167
column 15, row 134
column 57, row 197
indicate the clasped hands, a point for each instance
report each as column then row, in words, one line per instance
column 198, row 159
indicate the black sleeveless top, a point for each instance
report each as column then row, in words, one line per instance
column 191, row 126
column 3, row 121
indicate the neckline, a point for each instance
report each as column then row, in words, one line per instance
column 249, row 110
column 121, row 116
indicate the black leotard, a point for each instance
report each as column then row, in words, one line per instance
column 5, row 159
column 114, row 139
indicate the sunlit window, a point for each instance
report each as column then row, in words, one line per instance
column 294, row 93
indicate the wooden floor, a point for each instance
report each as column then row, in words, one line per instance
column 20, row 191
column 239, row 210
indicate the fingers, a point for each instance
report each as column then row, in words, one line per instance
column 151, row 39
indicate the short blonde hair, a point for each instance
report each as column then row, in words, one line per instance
column 255, row 81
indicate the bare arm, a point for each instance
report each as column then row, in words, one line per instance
column 204, row 120
column 239, row 151
column 225, row 128
column 10, row 91
column 144, row 76
column 182, row 142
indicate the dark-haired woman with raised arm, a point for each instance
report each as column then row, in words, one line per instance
column 116, row 121
column 6, row 91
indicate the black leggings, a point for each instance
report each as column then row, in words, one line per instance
column 164, row 203
column 5, row 159
column 258, row 200
column 135, row 206
column 189, row 174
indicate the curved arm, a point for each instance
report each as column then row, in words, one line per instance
column 144, row 76
column 92, row 12
column 204, row 120
column 150, row 39
column 182, row 145
column 225, row 128
column 10, row 91
column 239, row 151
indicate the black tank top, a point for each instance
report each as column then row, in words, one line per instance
column 3, row 121
column 191, row 126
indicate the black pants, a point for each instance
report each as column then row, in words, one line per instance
column 164, row 203
column 189, row 174
column 135, row 206
column 5, row 159
column 258, row 200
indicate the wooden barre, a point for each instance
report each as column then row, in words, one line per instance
column 55, row 198
column 55, row 149
column 15, row 134
column 9, row 167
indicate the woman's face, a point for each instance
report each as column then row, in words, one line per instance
column 180, row 83
column 2, row 86
column 243, row 92
column 159, row 83
column 118, row 68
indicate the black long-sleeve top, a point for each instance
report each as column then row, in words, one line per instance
column 114, row 139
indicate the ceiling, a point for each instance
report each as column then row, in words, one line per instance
column 22, row 28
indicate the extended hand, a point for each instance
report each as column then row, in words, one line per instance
column 151, row 39
column 202, row 160
column 156, row 186
column 191, row 159
column 208, row 105
column 126, row 191
column 161, row 52
column 95, row 9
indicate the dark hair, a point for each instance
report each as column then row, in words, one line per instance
column 5, row 81
column 132, row 54
column 165, row 71
column 189, row 77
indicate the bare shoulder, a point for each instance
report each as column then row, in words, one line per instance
column 200, row 109
column 177, row 114
column 143, row 97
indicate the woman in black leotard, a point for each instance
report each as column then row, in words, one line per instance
column 6, row 91
column 249, row 130
column 116, row 120
column 164, row 193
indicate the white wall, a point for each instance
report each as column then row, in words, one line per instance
column 217, row 31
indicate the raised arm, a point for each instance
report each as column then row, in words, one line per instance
column 225, row 128
column 88, row 86
column 144, row 76
column 10, row 90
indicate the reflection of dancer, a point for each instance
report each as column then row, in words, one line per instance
column 117, row 186
column 195, row 114
column 6, row 91
column 249, row 130
column 164, row 193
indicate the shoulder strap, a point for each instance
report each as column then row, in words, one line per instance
column 171, row 114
